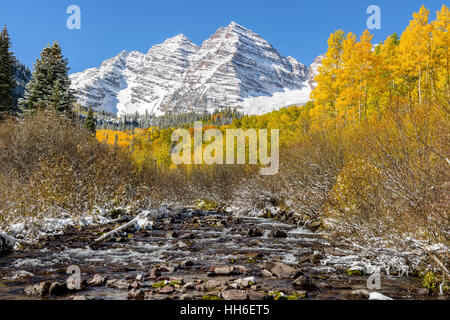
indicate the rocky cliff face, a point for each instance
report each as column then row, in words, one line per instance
column 231, row 68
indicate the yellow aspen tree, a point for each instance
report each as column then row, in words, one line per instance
column 386, row 86
column 415, row 52
column 347, row 80
column 441, row 44
column 327, row 91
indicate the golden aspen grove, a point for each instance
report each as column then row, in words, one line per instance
column 365, row 163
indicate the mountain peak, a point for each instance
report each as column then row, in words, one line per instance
column 234, row 67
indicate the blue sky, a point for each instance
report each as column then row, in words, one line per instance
column 298, row 28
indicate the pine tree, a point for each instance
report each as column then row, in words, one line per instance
column 50, row 83
column 89, row 123
column 7, row 71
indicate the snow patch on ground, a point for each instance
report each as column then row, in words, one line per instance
column 265, row 104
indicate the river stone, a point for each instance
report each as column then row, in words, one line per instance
column 167, row 290
column 212, row 284
column 257, row 295
column 304, row 283
column 136, row 294
column 58, row 289
column 6, row 247
column 280, row 269
column 154, row 273
column 40, row 289
column 255, row 232
column 360, row 294
column 98, row 281
column 277, row 233
column 222, row 270
column 234, row 294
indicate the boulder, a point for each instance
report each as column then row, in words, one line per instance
column 167, row 290
column 172, row 234
column 255, row 232
column 118, row 284
column 154, row 273
column 40, row 289
column 234, row 294
column 187, row 263
column 212, row 284
column 281, row 270
column 98, row 281
column 58, row 289
column 222, row 270
column 6, row 246
column 277, row 233
column 258, row 296
column 360, row 294
column 136, row 294
column 304, row 283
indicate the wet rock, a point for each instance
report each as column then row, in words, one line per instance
column 167, row 290
column 6, row 246
column 212, row 284
column 360, row 294
column 199, row 287
column 187, row 297
column 40, row 289
column 118, row 284
column 304, row 283
column 187, row 263
column 267, row 274
column 187, row 236
column 222, row 271
column 136, row 294
column 135, row 285
column 58, row 289
column 189, row 286
column 79, row 298
column 243, row 283
column 258, row 296
column 98, row 281
column 315, row 257
column 140, row 277
column 255, row 232
column 281, row 270
column 277, row 233
column 234, row 294
column 165, row 268
column 167, row 221
column 154, row 273
column 172, row 234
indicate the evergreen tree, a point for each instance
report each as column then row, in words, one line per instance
column 89, row 123
column 7, row 71
column 50, row 83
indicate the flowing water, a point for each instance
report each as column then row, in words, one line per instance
column 207, row 239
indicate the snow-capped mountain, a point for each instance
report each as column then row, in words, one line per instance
column 235, row 67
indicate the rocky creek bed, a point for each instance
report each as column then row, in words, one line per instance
column 194, row 254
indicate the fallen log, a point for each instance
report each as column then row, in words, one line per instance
column 139, row 217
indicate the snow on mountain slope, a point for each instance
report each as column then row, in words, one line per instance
column 235, row 67
column 135, row 81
